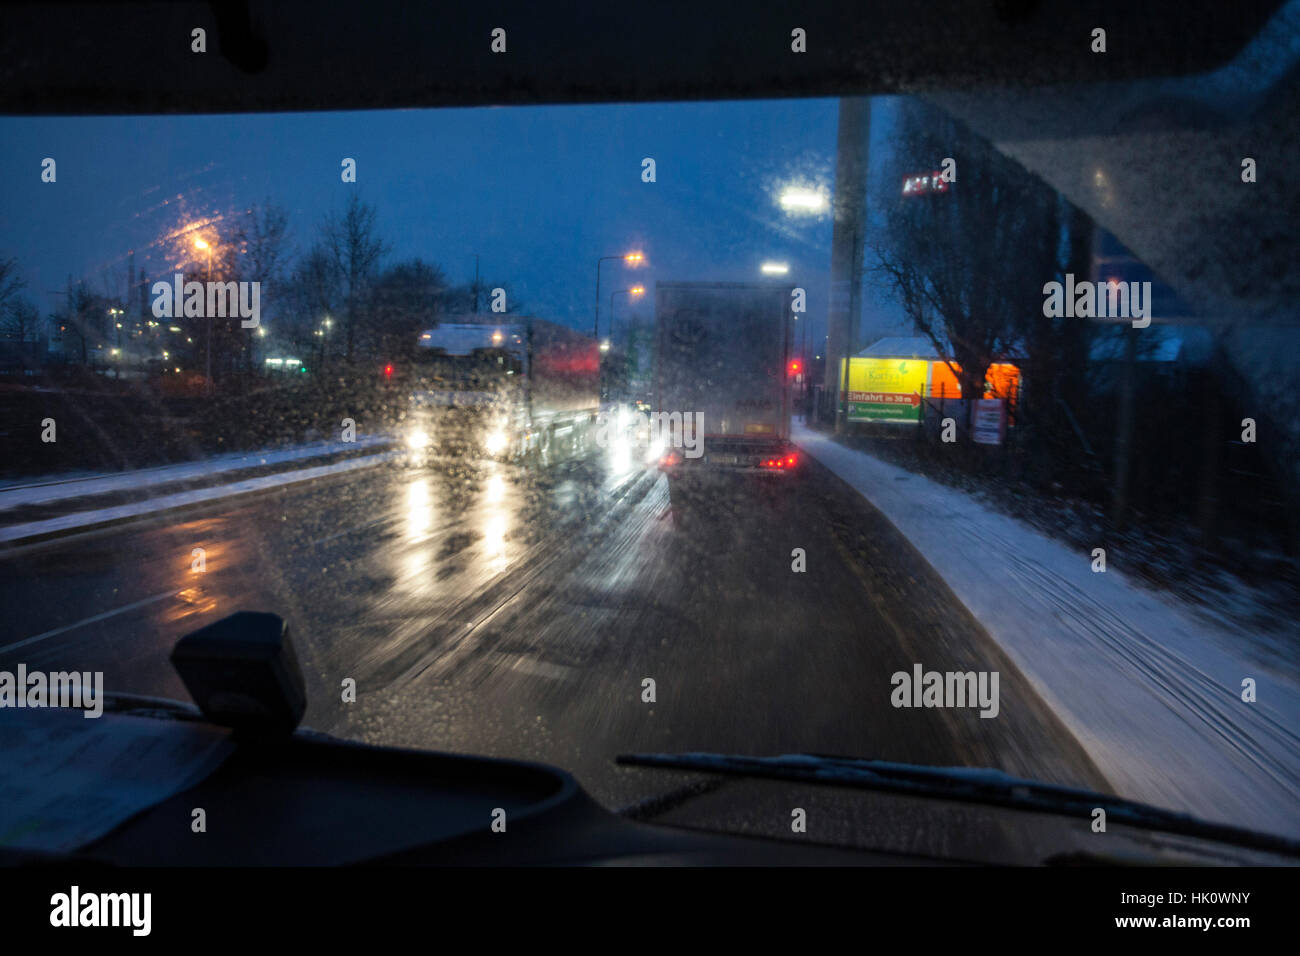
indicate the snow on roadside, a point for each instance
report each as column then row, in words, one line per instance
column 58, row 488
column 1151, row 690
column 100, row 516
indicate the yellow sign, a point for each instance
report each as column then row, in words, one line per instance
column 883, row 389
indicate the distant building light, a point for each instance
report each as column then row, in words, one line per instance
column 932, row 182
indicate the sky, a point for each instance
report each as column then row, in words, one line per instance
column 539, row 193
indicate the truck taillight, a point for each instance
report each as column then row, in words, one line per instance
column 788, row 461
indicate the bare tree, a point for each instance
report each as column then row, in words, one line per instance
column 20, row 320
column 407, row 298
column 83, row 322
column 314, row 297
column 353, row 244
column 967, row 264
column 261, row 238
column 11, row 283
column 265, row 247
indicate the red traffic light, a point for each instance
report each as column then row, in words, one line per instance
column 388, row 371
column 796, row 367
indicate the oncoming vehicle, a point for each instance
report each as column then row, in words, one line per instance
column 524, row 390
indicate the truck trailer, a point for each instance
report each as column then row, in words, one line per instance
column 722, row 382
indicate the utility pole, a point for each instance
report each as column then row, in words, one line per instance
column 849, row 209
column 476, row 283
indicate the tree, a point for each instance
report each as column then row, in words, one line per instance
column 315, row 297
column 20, row 320
column 83, row 323
column 261, row 236
column 11, row 283
column 407, row 298
column 355, row 249
column 968, row 264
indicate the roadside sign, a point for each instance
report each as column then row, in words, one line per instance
column 886, row 390
column 988, row 421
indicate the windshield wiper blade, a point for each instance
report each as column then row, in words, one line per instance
column 966, row 784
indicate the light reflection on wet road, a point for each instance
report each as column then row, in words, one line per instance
column 481, row 607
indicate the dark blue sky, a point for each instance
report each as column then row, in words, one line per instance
column 537, row 192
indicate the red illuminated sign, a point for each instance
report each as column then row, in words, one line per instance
column 922, row 183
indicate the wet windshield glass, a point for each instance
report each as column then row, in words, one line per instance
column 877, row 427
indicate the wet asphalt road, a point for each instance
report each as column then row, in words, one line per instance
column 484, row 608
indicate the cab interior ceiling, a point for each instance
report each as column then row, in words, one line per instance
column 1185, row 89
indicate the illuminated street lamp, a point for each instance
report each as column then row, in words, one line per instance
column 799, row 200
column 201, row 243
column 631, row 260
column 634, row 292
column 775, row 268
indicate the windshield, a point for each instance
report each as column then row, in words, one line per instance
column 880, row 427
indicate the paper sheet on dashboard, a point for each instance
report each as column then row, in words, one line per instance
column 66, row 780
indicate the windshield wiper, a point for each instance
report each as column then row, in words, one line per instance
column 967, row 784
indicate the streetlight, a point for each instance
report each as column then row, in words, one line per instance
column 775, row 268
column 117, row 336
column 636, row 290
column 799, row 200
column 201, row 243
column 633, row 259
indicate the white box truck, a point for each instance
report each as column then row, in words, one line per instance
column 723, row 382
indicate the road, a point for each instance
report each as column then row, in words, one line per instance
column 484, row 608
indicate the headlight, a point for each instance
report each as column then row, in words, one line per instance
column 496, row 442
column 417, row 440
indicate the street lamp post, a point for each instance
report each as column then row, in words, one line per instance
column 635, row 290
column 200, row 243
column 633, row 259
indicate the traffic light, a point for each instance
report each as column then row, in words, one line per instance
column 796, row 367
column 388, row 371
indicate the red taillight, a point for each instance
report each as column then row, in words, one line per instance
column 670, row 459
column 388, row 371
column 789, row 461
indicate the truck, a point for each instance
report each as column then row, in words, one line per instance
column 525, row 390
column 723, row 383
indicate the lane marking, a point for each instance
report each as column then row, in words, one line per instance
column 541, row 668
column 90, row 620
